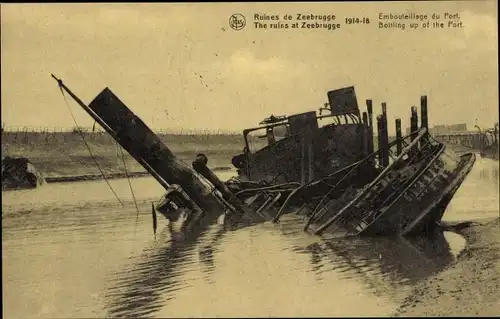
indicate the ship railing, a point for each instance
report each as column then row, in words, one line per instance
column 352, row 170
column 427, row 157
column 449, row 154
column 334, row 180
column 426, row 154
column 337, row 119
column 406, row 157
column 389, row 192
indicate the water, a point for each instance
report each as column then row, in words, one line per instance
column 71, row 251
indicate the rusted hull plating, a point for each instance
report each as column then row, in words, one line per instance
column 407, row 197
column 422, row 204
column 429, row 217
column 334, row 147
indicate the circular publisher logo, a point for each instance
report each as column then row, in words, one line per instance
column 237, row 21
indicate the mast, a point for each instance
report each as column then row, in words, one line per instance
column 146, row 147
column 108, row 130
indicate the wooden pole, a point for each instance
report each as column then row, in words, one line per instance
column 385, row 136
column 414, row 128
column 366, row 142
column 379, row 139
column 399, row 135
column 424, row 118
column 423, row 112
column 414, row 119
column 369, row 109
column 365, row 119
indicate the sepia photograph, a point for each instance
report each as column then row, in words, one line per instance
column 226, row 159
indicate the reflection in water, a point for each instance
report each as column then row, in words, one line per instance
column 144, row 287
column 384, row 263
column 387, row 267
column 399, row 259
column 489, row 175
column 478, row 196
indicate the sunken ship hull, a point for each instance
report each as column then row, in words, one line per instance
column 20, row 173
column 409, row 195
column 419, row 208
column 415, row 178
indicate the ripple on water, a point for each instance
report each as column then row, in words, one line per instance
column 72, row 251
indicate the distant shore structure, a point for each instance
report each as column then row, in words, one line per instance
column 88, row 130
column 446, row 129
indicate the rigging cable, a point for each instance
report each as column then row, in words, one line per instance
column 87, row 145
column 129, row 183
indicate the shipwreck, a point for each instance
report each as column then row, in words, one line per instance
column 306, row 146
column 20, row 173
column 330, row 173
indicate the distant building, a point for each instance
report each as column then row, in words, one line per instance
column 445, row 129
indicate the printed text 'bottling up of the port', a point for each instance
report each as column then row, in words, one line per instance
column 331, row 22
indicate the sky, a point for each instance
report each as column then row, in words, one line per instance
column 152, row 56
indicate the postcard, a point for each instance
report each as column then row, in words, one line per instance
column 250, row 159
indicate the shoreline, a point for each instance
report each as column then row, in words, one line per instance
column 93, row 177
column 117, row 175
column 468, row 287
column 63, row 156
